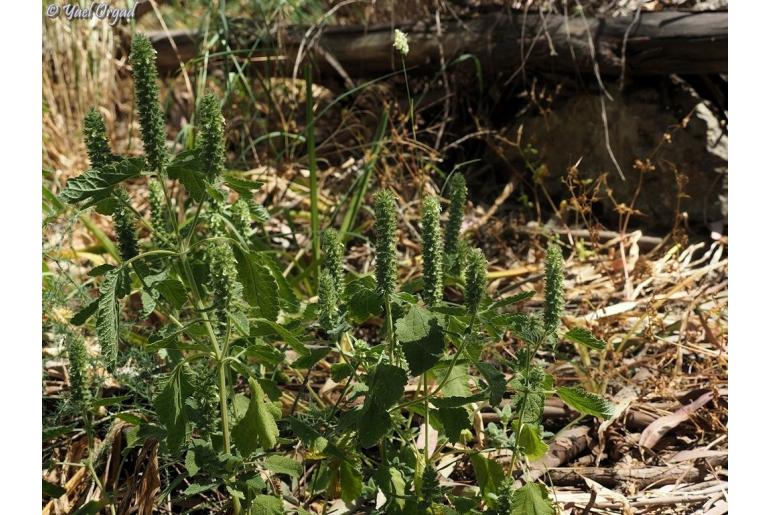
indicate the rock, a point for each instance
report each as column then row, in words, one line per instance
column 669, row 126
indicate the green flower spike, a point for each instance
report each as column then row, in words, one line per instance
column 158, row 218
column 212, row 135
column 475, row 280
column 554, row 289
column 97, row 144
column 78, row 370
column 224, row 288
column 328, row 309
column 147, row 101
column 385, row 242
column 432, row 251
column 125, row 225
column 458, row 195
column 333, row 251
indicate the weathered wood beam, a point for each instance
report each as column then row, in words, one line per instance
column 505, row 43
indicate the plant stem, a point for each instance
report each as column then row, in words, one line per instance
column 409, row 96
column 313, row 168
column 391, row 332
column 519, row 423
column 222, row 383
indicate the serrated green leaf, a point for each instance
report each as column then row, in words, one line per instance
column 240, row 185
column 107, row 318
column 495, row 382
column 266, row 505
column 309, row 360
column 457, row 383
column 195, row 489
column 190, row 464
column 169, row 404
column 585, row 402
column 173, row 291
column 421, row 338
column 287, row 336
column 415, row 325
column 373, row 424
column 350, row 482
column 528, row 328
column 123, row 286
column 386, row 385
column 286, row 296
column 188, row 168
column 149, row 301
column 531, row 499
column 392, row 483
column 421, row 355
column 513, row 299
column 456, row 402
column 454, row 421
column 259, row 287
column 489, row 473
column 584, row 337
column 363, row 299
column 341, row 371
column 257, row 428
column 308, row 435
column 100, row 270
column 240, row 322
column 265, row 354
column 283, row 465
column 97, row 184
column 82, row 316
column 531, row 442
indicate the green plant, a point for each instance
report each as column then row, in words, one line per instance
column 432, row 252
column 145, row 73
column 458, row 196
column 233, row 340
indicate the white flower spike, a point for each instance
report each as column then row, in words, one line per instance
column 401, row 43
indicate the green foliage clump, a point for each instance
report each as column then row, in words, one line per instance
column 95, row 136
column 142, row 61
column 458, row 196
column 211, row 125
column 125, row 225
column 554, row 288
column 385, row 242
column 475, row 280
column 228, row 313
column 432, row 251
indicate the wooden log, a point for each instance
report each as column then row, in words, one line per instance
column 505, row 43
column 642, row 477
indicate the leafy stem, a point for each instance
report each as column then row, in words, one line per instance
column 519, row 422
